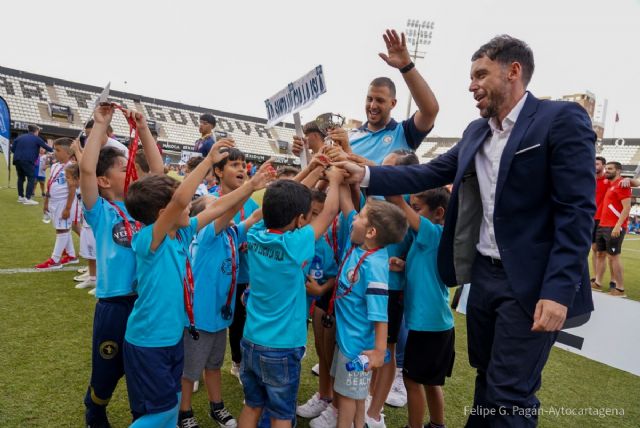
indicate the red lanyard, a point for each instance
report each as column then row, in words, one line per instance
column 220, row 194
column 55, row 177
column 132, row 174
column 188, row 288
column 354, row 276
column 334, row 233
column 234, row 269
column 127, row 225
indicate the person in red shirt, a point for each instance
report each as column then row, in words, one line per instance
column 602, row 184
column 614, row 213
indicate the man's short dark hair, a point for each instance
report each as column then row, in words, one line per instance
column 141, row 161
column 435, row 198
column 33, row 128
column 89, row 124
column 147, row 196
column 318, row 195
column 601, row 159
column 234, row 155
column 209, row 118
column 284, row 201
column 617, row 165
column 389, row 220
column 505, row 50
column 107, row 159
column 406, row 157
column 386, row 82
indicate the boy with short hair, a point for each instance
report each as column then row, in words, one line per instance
column 275, row 333
column 59, row 203
column 429, row 352
column 42, row 163
column 153, row 346
column 102, row 177
column 360, row 300
column 231, row 173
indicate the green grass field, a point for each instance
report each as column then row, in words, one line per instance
column 45, row 339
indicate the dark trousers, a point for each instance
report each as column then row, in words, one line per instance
column 25, row 169
column 237, row 326
column 107, row 364
column 507, row 355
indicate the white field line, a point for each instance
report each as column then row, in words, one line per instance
column 11, row 271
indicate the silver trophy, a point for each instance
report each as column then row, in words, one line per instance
column 327, row 121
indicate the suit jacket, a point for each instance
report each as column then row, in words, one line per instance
column 544, row 203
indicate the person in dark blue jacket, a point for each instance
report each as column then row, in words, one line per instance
column 26, row 149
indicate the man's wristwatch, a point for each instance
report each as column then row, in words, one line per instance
column 407, row 67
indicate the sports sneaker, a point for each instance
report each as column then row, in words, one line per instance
column 196, row 386
column 312, row 408
column 187, row 420
column 69, row 260
column 102, row 423
column 235, row 370
column 82, row 277
column 316, row 370
column 49, row 265
column 89, row 283
column 372, row 423
column 83, row 269
column 398, row 395
column 616, row 292
column 21, row 199
column 327, row 419
column 92, row 292
column 223, row 418
column 30, row 202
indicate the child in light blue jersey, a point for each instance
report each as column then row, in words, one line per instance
column 275, row 333
column 429, row 352
column 102, row 177
column 216, row 260
column 360, row 300
column 153, row 348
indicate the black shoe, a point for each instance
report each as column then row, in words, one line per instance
column 103, row 423
column 223, row 417
column 187, row 420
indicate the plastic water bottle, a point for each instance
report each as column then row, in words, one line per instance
column 315, row 271
column 361, row 362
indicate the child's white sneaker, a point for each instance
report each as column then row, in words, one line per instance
column 312, row 408
column 81, row 277
column 88, row 283
column 327, row 419
column 398, row 395
column 92, row 292
column 372, row 423
column 316, row 370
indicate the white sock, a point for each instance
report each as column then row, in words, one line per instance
column 61, row 244
column 71, row 252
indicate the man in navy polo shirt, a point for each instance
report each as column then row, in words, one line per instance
column 204, row 143
column 26, row 149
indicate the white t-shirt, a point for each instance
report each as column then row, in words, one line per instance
column 57, row 183
column 118, row 145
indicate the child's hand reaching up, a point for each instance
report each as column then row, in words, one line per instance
column 103, row 114
column 396, row 264
column 216, row 154
column 263, row 176
column 335, row 175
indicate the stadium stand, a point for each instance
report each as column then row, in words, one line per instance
column 32, row 98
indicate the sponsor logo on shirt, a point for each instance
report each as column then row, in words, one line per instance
column 387, row 139
column 119, row 234
column 226, row 266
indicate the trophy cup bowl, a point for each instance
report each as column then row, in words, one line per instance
column 328, row 121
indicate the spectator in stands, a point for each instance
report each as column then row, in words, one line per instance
column 613, row 226
column 204, row 143
column 26, row 149
column 108, row 141
column 381, row 134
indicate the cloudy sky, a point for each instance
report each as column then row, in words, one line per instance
column 232, row 55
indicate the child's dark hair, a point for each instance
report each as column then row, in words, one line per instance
column 389, row 220
column 283, row 201
column 74, row 170
column 406, row 157
column 318, row 195
column 435, row 198
column 287, row 171
column 234, row 155
column 147, row 196
column 194, row 162
column 65, row 143
column 198, row 205
column 107, row 158
column 141, row 161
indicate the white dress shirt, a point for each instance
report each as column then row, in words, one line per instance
column 487, row 167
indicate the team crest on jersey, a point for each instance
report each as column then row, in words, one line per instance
column 119, row 234
column 226, row 266
column 353, row 276
column 108, row 349
column 387, row 139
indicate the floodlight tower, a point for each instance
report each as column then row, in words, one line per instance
column 419, row 34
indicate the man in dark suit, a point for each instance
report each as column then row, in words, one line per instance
column 518, row 226
column 26, row 149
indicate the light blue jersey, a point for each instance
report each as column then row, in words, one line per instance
column 324, row 258
column 276, row 308
column 426, row 297
column 247, row 209
column 212, row 272
column 377, row 145
column 400, row 250
column 115, row 260
column 158, row 317
column 361, row 299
